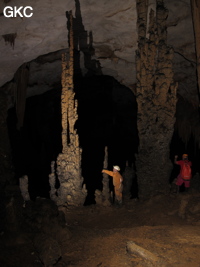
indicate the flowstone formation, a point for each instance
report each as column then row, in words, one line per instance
column 71, row 191
column 156, row 99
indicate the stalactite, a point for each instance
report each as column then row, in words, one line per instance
column 156, row 99
column 70, row 192
column 195, row 6
column 21, row 82
column 10, row 38
column 103, row 197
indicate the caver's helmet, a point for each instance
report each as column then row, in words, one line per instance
column 116, row 168
column 185, row 156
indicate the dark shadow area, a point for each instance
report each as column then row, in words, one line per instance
column 38, row 142
column 107, row 117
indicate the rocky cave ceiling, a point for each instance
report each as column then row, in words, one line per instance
column 113, row 25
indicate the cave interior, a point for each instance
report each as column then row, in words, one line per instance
column 63, row 120
column 107, row 117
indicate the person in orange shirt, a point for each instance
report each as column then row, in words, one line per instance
column 117, row 183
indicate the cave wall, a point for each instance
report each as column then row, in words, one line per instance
column 6, row 166
column 46, row 32
column 112, row 26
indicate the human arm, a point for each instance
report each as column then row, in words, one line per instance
column 108, row 172
column 175, row 159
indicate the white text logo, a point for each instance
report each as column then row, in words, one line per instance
column 13, row 12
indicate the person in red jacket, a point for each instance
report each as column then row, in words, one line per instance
column 117, row 183
column 185, row 173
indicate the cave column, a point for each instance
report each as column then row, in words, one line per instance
column 70, row 192
column 156, row 100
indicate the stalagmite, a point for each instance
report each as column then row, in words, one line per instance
column 52, row 182
column 183, row 206
column 156, row 99
column 104, row 198
column 23, row 185
column 70, row 192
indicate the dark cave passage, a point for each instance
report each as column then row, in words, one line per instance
column 38, row 142
column 106, row 117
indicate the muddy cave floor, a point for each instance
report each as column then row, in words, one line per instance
column 165, row 230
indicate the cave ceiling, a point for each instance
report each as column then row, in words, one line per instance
column 113, row 26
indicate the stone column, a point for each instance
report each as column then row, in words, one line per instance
column 156, row 100
column 71, row 191
column 52, row 182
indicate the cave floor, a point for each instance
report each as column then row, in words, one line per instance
column 161, row 231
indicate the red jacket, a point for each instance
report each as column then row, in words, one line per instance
column 181, row 163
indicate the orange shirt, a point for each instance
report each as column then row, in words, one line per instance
column 117, row 178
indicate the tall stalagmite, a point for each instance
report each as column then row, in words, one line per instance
column 103, row 198
column 70, row 191
column 156, row 99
